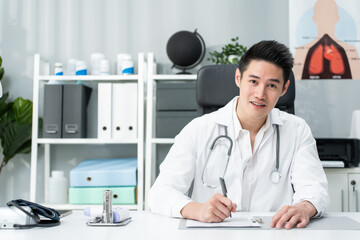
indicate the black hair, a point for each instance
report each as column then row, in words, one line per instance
column 270, row 51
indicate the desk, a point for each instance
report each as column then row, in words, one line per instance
column 148, row 226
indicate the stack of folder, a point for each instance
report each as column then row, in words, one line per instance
column 92, row 177
column 65, row 110
column 117, row 110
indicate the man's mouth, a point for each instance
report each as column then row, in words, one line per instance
column 257, row 104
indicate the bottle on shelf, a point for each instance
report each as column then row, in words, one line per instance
column 58, row 188
column 81, row 68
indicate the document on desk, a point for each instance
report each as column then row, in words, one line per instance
column 236, row 221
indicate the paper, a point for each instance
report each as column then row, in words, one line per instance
column 236, row 221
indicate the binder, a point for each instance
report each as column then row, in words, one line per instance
column 53, row 95
column 105, row 172
column 75, row 100
column 104, row 110
column 94, row 195
column 124, row 111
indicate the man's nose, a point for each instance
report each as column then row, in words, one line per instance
column 260, row 92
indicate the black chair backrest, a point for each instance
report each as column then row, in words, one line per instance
column 215, row 87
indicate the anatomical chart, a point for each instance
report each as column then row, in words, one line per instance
column 324, row 39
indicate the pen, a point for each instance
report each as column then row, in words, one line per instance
column 223, row 188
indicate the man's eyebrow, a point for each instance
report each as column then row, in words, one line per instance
column 254, row 76
column 275, row 80
column 271, row 79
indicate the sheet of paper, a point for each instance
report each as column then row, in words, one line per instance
column 236, row 221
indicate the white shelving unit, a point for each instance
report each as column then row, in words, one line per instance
column 151, row 140
column 47, row 142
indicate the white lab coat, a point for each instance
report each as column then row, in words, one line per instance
column 302, row 175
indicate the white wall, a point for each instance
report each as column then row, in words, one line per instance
column 60, row 30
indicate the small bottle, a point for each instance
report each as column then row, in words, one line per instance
column 127, row 65
column 120, row 58
column 81, row 68
column 58, row 69
column 95, row 63
column 58, row 188
column 72, row 66
column 104, row 67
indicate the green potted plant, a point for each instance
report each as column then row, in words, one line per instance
column 15, row 125
column 229, row 54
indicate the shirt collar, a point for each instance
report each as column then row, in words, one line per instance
column 272, row 119
column 227, row 116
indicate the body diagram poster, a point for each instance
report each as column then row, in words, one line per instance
column 325, row 38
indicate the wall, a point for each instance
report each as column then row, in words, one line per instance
column 60, row 30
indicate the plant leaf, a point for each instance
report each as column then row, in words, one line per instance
column 22, row 111
column 14, row 137
column 2, row 72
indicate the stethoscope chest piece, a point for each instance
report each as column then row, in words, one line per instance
column 275, row 176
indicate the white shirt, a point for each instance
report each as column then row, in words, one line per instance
column 248, row 172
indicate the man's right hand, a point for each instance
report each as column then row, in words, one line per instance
column 216, row 209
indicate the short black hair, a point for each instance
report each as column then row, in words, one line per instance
column 270, row 51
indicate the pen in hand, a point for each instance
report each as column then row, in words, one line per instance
column 223, row 188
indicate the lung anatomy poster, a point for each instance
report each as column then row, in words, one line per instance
column 324, row 39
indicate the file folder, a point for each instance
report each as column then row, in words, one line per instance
column 75, row 100
column 94, row 195
column 104, row 110
column 104, row 172
column 124, row 111
column 53, row 95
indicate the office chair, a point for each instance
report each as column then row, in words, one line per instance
column 215, row 87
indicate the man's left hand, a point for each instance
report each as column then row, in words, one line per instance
column 297, row 215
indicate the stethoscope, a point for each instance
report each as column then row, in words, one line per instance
column 274, row 176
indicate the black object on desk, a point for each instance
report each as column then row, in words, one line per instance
column 339, row 149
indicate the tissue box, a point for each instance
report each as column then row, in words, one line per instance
column 94, row 195
column 104, row 172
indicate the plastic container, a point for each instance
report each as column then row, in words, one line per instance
column 72, row 66
column 124, row 58
column 95, row 63
column 58, row 188
column 127, row 65
column 81, row 68
column 104, row 67
column 58, row 69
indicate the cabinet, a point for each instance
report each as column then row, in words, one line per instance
column 39, row 80
column 153, row 141
column 344, row 185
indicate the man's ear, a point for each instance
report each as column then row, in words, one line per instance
column 237, row 77
column 285, row 88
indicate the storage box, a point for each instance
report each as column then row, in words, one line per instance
column 94, row 195
column 104, row 172
column 178, row 96
column 170, row 123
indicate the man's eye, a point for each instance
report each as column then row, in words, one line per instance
column 253, row 81
column 272, row 85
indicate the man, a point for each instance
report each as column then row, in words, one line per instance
column 250, row 124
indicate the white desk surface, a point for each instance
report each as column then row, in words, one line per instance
column 146, row 226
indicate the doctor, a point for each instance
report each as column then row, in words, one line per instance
column 267, row 170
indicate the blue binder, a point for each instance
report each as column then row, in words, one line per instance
column 104, row 172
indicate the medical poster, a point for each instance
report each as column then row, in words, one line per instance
column 325, row 38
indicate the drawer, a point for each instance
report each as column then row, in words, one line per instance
column 94, row 195
column 172, row 96
column 170, row 123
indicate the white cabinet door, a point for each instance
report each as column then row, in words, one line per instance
column 353, row 191
column 338, row 189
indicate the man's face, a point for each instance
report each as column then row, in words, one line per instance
column 260, row 88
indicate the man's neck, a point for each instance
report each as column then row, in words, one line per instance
column 253, row 125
